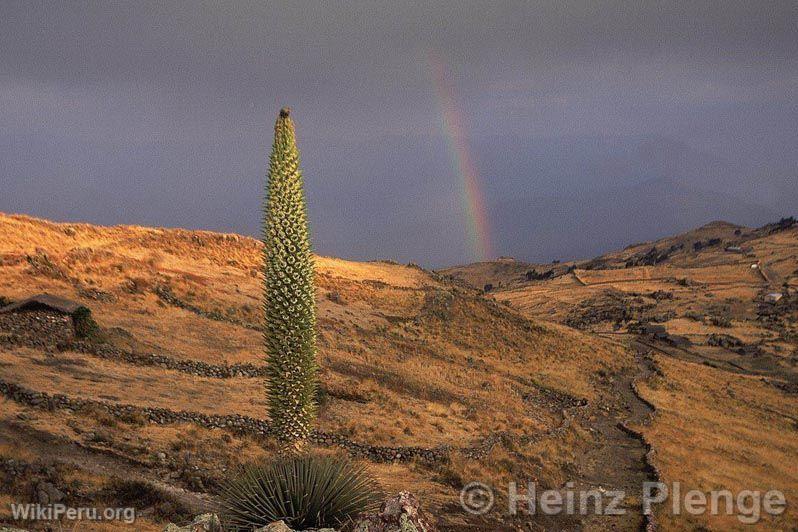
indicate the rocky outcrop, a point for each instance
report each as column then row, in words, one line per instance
column 398, row 514
column 47, row 493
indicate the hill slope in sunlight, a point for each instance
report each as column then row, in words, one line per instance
column 717, row 310
column 408, row 359
column 591, row 372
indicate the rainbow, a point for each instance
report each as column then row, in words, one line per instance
column 472, row 197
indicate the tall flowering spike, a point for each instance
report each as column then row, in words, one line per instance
column 289, row 294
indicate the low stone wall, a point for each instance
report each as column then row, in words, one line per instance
column 36, row 328
column 193, row 367
column 164, row 292
column 47, row 330
column 234, row 423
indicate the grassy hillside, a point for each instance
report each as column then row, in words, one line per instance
column 428, row 380
column 726, row 395
column 408, row 360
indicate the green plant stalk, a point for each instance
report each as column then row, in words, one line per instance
column 289, row 294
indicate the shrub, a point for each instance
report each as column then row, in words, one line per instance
column 85, row 326
column 311, row 491
column 721, row 321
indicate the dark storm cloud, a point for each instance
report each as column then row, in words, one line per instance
column 160, row 113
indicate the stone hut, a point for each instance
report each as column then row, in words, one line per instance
column 74, row 315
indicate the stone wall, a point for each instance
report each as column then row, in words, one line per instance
column 234, row 422
column 36, row 328
column 193, row 367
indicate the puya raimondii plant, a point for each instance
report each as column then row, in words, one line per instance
column 289, row 294
column 304, row 491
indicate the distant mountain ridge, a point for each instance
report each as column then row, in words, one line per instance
column 400, row 196
column 588, row 223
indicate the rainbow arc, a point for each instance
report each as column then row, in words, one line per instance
column 472, row 196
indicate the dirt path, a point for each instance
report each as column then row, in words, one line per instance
column 619, row 463
column 618, row 460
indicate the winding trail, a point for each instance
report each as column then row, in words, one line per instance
column 619, row 461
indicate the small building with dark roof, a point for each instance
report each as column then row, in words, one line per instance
column 82, row 321
column 45, row 302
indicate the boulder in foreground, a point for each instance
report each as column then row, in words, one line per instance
column 402, row 513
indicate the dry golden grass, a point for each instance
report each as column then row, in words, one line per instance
column 713, row 429
column 717, row 285
column 406, row 357
column 443, row 365
column 718, row 430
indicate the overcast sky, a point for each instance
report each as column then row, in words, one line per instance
column 161, row 113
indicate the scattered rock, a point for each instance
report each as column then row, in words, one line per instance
column 96, row 294
column 660, row 295
column 47, row 493
column 781, row 225
column 652, row 256
column 534, row 275
column 612, row 306
column 277, row 526
column 201, row 523
column 724, row 340
column 398, row 514
column 698, row 246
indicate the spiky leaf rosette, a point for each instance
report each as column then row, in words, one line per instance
column 307, row 491
column 289, row 294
